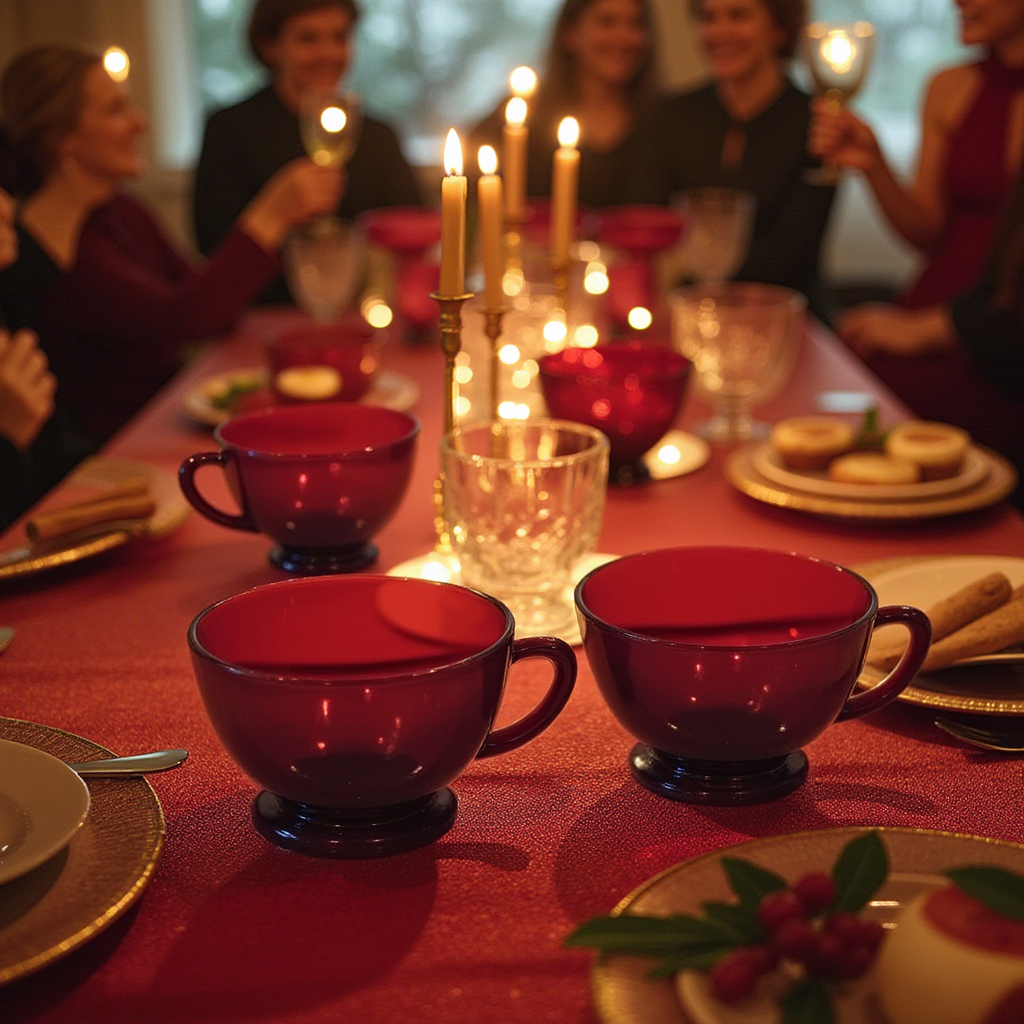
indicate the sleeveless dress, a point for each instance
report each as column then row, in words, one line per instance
column 977, row 187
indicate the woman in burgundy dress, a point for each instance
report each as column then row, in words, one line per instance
column 972, row 141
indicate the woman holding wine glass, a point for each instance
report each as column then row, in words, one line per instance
column 745, row 130
column 972, row 139
column 306, row 46
column 113, row 301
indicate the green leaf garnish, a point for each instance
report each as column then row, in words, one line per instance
column 735, row 920
column 869, row 436
column 996, row 888
column 808, row 1002
column 750, row 883
column 859, row 872
column 228, row 398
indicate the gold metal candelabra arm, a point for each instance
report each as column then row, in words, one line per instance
column 492, row 328
column 451, row 345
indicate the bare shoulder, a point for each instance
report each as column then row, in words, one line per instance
column 950, row 93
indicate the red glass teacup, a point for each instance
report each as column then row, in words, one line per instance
column 335, row 362
column 724, row 661
column 632, row 392
column 320, row 479
column 356, row 701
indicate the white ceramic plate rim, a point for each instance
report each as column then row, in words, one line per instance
column 53, row 798
column 922, row 584
column 767, row 461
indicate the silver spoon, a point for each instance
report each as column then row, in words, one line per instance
column 1009, row 739
column 139, row 764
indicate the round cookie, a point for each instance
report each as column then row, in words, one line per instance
column 808, row 443
column 937, row 448
column 873, row 468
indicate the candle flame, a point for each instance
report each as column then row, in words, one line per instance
column 487, row 159
column 452, row 153
column 568, row 132
column 522, row 82
column 116, row 63
column 515, row 111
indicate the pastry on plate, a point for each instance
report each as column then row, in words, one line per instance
column 809, row 443
column 937, row 448
column 875, row 468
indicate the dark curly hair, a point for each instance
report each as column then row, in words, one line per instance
column 268, row 17
column 790, row 16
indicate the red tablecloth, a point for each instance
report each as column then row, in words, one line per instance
column 469, row 929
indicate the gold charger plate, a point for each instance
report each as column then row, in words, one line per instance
column 978, row 689
column 622, row 993
column 389, row 390
column 63, row 903
column 996, row 484
column 93, row 475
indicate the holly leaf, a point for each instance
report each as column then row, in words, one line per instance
column 808, row 1002
column 996, row 888
column 649, row 936
column 750, row 882
column 737, row 921
column 859, row 872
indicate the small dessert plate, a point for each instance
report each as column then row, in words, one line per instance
column 42, row 804
column 768, row 462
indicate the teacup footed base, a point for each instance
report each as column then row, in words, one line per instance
column 323, row 561
column 724, row 783
column 351, row 834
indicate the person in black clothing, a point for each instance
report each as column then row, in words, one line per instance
column 746, row 129
column 306, row 45
column 600, row 69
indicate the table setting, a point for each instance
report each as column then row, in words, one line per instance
column 468, row 662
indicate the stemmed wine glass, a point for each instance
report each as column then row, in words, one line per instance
column 717, row 223
column 742, row 340
column 330, row 124
column 838, row 55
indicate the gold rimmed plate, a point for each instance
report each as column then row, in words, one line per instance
column 77, row 893
column 921, row 581
column 624, row 995
column 205, row 403
column 998, row 481
column 89, row 479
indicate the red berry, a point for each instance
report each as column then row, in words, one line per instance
column 826, row 956
column 761, row 958
column 733, row 977
column 855, row 962
column 778, row 907
column 871, row 935
column 847, row 927
column 816, row 892
column 794, row 939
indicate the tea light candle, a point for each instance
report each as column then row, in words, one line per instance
column 564, row 189
column 514, row 144
column 453, row 220
column 489, row 196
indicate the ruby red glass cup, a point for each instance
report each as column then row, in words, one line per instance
column 724, row 661
column 631, row 392
column 320, row 479
column 355, row 702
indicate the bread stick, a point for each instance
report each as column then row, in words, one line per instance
column 967, row 604
column 128, row 500
column 992, row 632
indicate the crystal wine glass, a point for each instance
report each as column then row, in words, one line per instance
column 742, row 340
column 330, row 124
column 716, row 231
column 838, row 55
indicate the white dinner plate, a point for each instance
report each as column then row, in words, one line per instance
column 992, row 689
column 917, row 858
column 42, row 804
column 389, row 390
column 769, row 463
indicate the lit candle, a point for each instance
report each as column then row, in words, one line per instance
column 522, row 82
column 489, row 189
column 514, row 143
column 453, row 220
column 564, row 186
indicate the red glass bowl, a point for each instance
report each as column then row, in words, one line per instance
column 404, row 230
column 640, row 229
column 319, row 478
column 356, row 701
column 724, row 661
column 632, row 392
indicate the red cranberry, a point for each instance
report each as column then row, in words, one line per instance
column 733, row 977
column 816, row 892
column 778, row 907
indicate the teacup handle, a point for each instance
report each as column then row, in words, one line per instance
column 532, row 724
column 186, row 477
column 866, row 701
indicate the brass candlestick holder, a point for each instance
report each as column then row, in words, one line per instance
column 560, row 273
column 451, row 345
column 492, row 328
